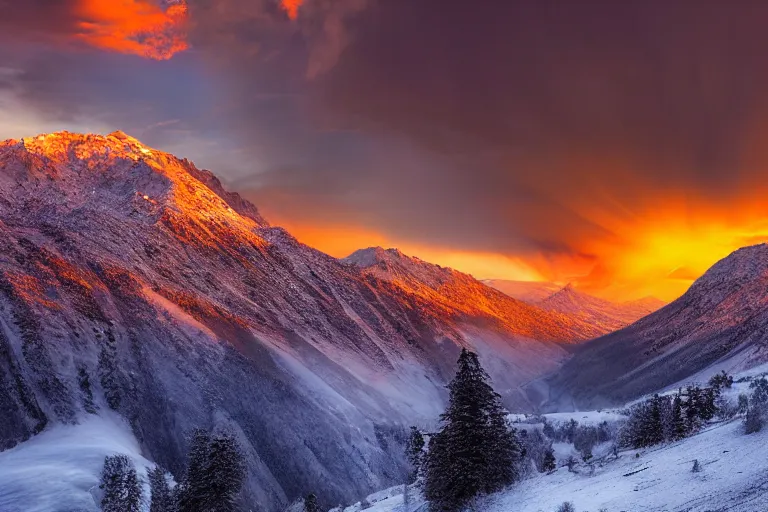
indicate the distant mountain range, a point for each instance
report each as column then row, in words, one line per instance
column 595, row 315
column 721, row 320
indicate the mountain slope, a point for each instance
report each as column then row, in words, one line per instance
column 450, row 292
column 131, row 280
column 590, row 315
column 723, row 315
column 604, row 315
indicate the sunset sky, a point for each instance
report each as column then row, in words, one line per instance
column 621, row 146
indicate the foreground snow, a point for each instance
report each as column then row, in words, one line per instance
column 734, row 477
column 58, row 470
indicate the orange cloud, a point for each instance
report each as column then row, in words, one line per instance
column 137, row 27
column 291, row 7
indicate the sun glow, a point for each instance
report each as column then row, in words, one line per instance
column 660, row 255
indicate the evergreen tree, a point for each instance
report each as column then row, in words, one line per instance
column 215, row 474
column 192, row 488
column 225, row 473
column 743, row 403
column 161, row 495
column 549, row 463
column 706, row 406
column 120, row 485
column 721, row 380
column 548, row 429
column 753, row 422
column 693, row 400
column 415, row 453
column 475, row 452
column 679, row 427
column 310, row 503
column 570, row 430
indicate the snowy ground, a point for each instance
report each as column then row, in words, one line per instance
column 733, row 478
column 58, row 470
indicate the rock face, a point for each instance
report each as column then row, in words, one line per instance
column 722, row 318
column 130, row 280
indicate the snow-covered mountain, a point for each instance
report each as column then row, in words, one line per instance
column 721, row 320
column 605, row 316
column 129, row 279
column 594, row 315
column 451, row 293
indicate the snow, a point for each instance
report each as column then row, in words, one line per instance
column 59, row 469
column 732, row 477
column 586, row 417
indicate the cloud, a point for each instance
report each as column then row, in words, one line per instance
column 136, row 27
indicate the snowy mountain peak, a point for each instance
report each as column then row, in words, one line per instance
column 71, row 172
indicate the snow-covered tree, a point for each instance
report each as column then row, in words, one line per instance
column 679, row 425
column 753, row 421
column 161, row 497
column 475, row 452
column 192, row 487
column 225, row 473
column 721, row 380
column 415, row 453
column 645, row 426
column 215, row 473
column 566, row 507
column 549, row 463
column 120, row 485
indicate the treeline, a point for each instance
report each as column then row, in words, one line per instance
column 673, row 417
column 212, row 480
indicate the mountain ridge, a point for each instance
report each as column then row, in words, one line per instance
column 722, row 316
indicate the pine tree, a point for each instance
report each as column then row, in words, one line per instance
column 475, row 452
column 692, row 404
column 120, row 485
column 415, row 453
column 225, row 473
column 161, row 495
column 753, row 422
column 310, row 503
column 706, row 407
column 679, row 427
column 215, row 473
column 192, row 489
column 549, row 463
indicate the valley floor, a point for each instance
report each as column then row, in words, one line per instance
column 733, row 478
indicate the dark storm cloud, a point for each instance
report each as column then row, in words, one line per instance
column 495, row 126
column 520, row 114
